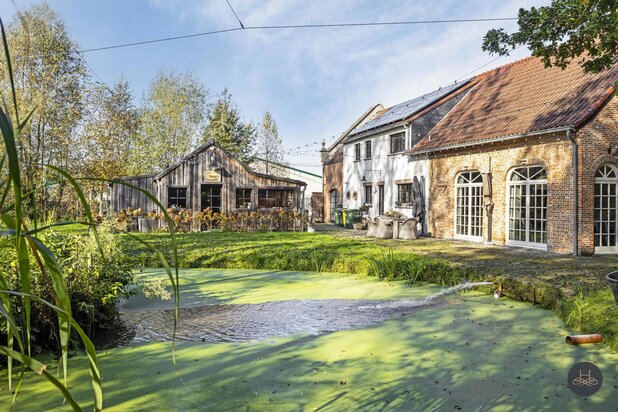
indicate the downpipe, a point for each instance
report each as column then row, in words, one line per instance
column 574, row 150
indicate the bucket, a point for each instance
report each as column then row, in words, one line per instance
column 612, row 278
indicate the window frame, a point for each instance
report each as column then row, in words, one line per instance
column 186, row 196
column 244, row 198
column 526, row 184
column 473, row 189
column 357, row 152
column 278, row 196
column 368, row 195
column 399, row 136
column 401, row 186
column 368, row 150
column 604, row 204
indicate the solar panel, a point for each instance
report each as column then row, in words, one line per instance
column 408, row 108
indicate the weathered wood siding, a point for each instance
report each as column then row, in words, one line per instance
column 191, row 174
column 123, row 197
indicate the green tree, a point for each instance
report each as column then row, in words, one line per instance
column 269, row 145
column 51, row 77
column 109, row 128
column 227, row 128
column 563, row 31
column 172, row 119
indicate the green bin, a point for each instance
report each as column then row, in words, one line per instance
column 338, row 216
column 352, row 216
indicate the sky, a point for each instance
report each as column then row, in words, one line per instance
column 315, row 82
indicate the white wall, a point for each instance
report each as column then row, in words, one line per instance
column 381, row 167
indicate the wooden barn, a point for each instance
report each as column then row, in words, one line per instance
column 209, row 177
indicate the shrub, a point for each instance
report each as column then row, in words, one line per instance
column 95, row 283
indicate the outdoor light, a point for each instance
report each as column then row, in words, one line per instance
column 363, row 179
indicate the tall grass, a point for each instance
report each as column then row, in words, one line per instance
column 16, row 303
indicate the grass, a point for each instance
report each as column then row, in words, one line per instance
column 476, row 353
column 553, row 281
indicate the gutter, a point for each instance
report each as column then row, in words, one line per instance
column 493, row 140
column 574, row 169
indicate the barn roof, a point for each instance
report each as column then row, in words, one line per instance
column 205, row 146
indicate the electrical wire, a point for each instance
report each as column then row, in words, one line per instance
column 235, row 15
column 294, row 26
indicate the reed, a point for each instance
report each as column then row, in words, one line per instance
column 22, row 242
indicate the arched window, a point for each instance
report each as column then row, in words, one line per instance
column 605, row 205
column 469, row 205
column 527, row 207
column 334, row 203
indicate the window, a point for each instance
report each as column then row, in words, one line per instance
column 469, row 205
column 527, row 207
column 334, row 203
column 177, row 197
column 606, row 210
column 357, row 150
column 398, row 142
column 368, row 195
column 368, row 149
column 211, row 197
column 270, row 198
column 243, row 198
column 404, row 195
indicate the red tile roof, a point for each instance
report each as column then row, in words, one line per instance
column 521, row 97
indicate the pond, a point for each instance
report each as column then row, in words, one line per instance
column 257, row 322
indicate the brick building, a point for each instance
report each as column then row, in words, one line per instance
column 502, row 161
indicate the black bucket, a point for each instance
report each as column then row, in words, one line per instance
column 612, row 278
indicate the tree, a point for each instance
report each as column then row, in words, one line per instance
column 226, row 127
column 269, row 144
column 50, row 77
column 563, row 31
column 172, row 119
column 109, row 128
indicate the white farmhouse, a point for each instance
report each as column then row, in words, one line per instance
column 377, row 175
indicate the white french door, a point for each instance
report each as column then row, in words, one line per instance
column 605, row 210
column 469, row 206
column 527, row 207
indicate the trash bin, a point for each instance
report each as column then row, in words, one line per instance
column 612, row 278
column 352, row 216
column 338, row 217
column 344, row 217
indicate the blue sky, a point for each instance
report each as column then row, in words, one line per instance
column 315, row 82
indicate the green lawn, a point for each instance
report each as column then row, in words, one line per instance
column 475, row 353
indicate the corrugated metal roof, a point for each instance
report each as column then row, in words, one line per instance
column 406, row 109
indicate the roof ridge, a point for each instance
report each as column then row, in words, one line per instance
column 513, row 63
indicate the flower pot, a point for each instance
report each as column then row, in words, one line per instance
column 612, row 278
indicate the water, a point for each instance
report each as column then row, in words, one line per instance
column 263, row 321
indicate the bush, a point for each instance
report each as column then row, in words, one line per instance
column 95, row 282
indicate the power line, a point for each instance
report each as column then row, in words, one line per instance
column 160, row 40
column 235, row 15
column 294, row 26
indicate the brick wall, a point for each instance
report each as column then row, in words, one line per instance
column 594, row 140
column 332, row 176
column 551, row 150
